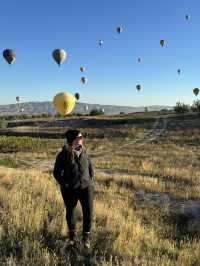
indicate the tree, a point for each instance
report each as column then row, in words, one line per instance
column 181, row 108
column 196, row 106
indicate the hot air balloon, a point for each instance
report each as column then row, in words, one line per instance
column 162, row 42
column 187, row 17
column 64, row 103
column 100, row 43
column 120, row 29
column 17, row 100
column 139, row 60
column 138, row 87
column 77, row 96
column 82, row 69
column 9, row 55
column 84, row 80
column 196, row 91
column 179, row 71
column 59, row 55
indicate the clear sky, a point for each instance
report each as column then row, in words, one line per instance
column 35, row 28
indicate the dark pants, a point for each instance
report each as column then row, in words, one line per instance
column 71, row 197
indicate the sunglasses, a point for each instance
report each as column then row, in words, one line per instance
column 79, row 137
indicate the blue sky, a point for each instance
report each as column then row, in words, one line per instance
column 35, row 28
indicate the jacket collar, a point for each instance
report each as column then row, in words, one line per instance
column 78, row 155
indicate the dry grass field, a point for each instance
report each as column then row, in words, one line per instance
column 147, row 198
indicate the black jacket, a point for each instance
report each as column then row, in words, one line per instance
column 76, row 174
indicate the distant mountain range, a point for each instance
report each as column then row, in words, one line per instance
column 37, row 108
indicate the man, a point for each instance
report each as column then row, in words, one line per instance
column 74, row 172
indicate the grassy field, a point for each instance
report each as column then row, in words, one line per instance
column 139, row 188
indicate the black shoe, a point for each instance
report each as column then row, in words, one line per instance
column 86, row 240
column 72, row 237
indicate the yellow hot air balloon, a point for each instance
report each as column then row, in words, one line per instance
column 196, row 91
column 64, row 103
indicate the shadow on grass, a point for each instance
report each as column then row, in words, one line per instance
column 10, row 246
column 101, row 246
column 106, row 182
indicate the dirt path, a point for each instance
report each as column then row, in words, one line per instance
column 158, row 130
column 154, row 134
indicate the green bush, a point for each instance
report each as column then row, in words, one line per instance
column 8, row 162
column 96, row 112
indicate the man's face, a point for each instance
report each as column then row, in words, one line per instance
column 78, row 140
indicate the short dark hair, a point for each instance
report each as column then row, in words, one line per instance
column 71, row 135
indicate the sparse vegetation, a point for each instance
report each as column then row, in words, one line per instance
column 23, row 116
column 135, row 190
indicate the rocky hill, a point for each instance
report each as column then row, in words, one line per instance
column 37, row 108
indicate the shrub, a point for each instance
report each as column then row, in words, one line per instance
column 97, row 112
